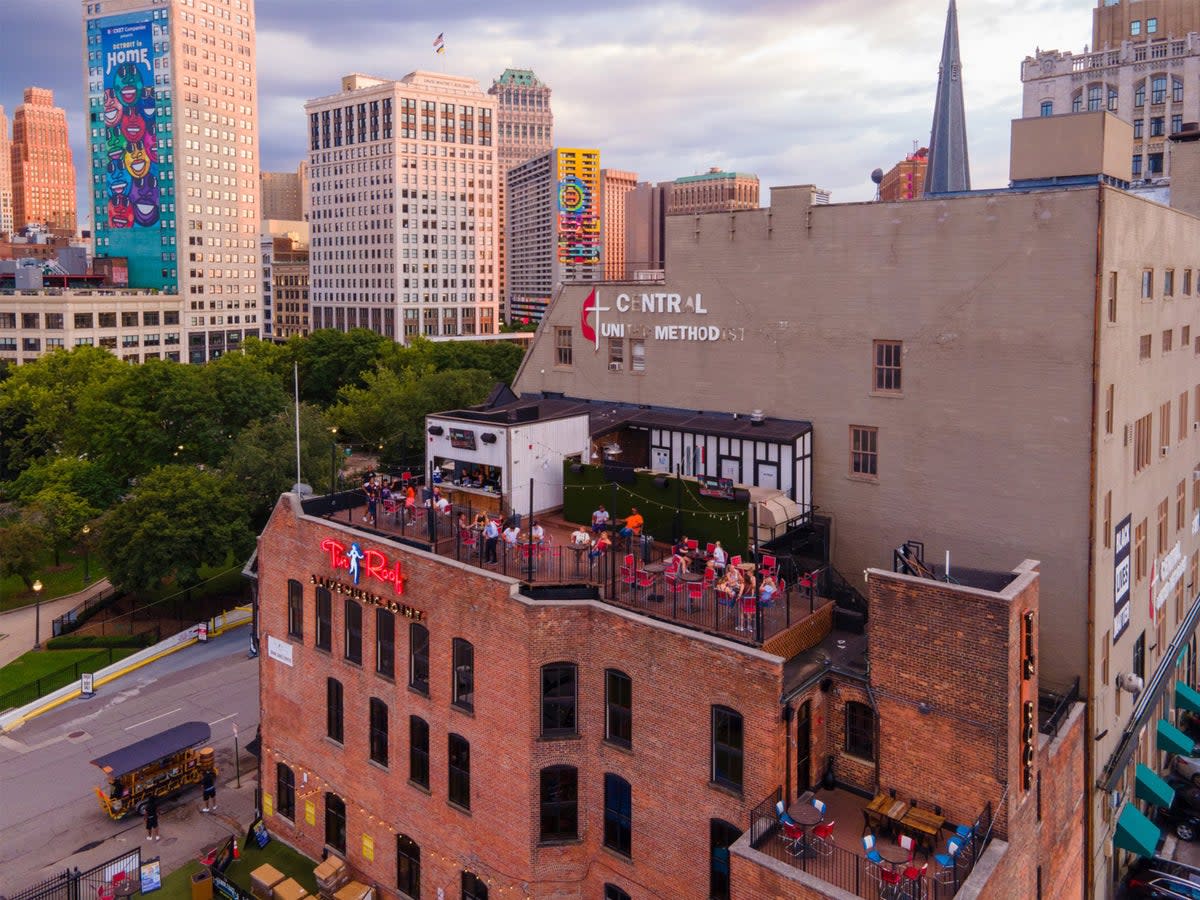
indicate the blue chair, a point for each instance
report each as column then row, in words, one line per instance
column 964, row 834
column 874, row 860
column 946, row 861
column 819, row 804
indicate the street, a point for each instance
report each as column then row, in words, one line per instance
column 49, row 815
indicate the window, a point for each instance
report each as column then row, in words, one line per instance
column 408, row 865
column 1095, row 98
column 1157, row 126
column 1112, row 99
column 1164, row 425
column 285, row 791
column 324, row 619
column 473, row 887
column 1151, row 26
column 460, row 771
column 353, row 631
column 1047, row 108
column 559, row 803
column 616, row 354
column 721, row 836
column 1147, row 284
column 1137, row 165
column 612, row 892
column 1077, row 103
column 1187, row 282
column 1163, row 530
column 637, row 354
column 563, row 355
column 1158, row 89
column 418, row 658
column 1154, row 163
column 385, row 643
column 860, row 730
column 1168, row 340
column 727, row 747
column 379, row 731
column 295, row 609
column 1139, row 551
column 1109, row 394
column 1169, row 283
column 1139, row 656
column 418, row 751
column 1185, row 337
column 887, row 365
column 333, row 709
column 618, row 705
column 864, row 451
column 618, row 814
column 1176, row 123
column 1107, row 525
column 335, row 822
column 464, row 674
column 1139, row 94
column 1145, row 346
column 1138, row 127
column 1180, row 504
column 1112, row 296
column 1135, row 27
column 1176, row 90
column 558, row 700
column 1183, row 416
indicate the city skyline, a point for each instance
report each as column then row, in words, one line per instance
column 781, row 72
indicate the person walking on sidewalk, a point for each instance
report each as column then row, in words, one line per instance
column 210, row 790
column 151, row 813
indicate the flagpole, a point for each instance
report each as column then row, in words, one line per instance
column 296, row 387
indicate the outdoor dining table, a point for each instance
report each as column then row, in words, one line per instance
column 884, row 810
column 690, row 576
column 924, row 825
column 657, row 568
column 806, row 816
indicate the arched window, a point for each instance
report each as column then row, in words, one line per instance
column 473, row 887
column 335, row 822
column 379, row 731
column 860, row 731
column 285, row 791
column 1139, row 94
column 727, row 740
column 418, row 751
column 295, row 609
column 418, row 658
column 721, row 835
column 618, row 708
column 460, row 771
column 464, row 674
column 559, row 803
column 408, row 865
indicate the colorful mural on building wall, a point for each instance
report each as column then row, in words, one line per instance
column 578, row 207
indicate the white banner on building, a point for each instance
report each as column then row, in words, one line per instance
column 280, row 651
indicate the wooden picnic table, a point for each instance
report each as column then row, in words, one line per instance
column 924, row 825
column 884, row 810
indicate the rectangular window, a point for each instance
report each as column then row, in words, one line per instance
column 860, row 731
column 618, row 814
column 285, row 792
column 1047, row 108
column 1168, row 340
column 618, row 701
column 887, row 365
column 864, row 451
column 1183, row 416
column 1164, row 427
column 563, row 351
column 335, row 822
column 1112, row 296
column 1139, row 656
column 559, row 700
column 353, row 631
column 295, row 609
column 637, row 354
column 379, row 731
column 1169, row 283
column 324, row 619
column 460, row 771
column 1106, row 527
column 333, row 709
column 558, row 804
column 385, row 643
column 1163, row 530
column 727, row 747
column 1145, row 346
column 464, row 674
column 1185, row 337
column 1109, row 396
column 1142, row 439
column 1147, row 284
column 418, row 658
column 418, row 751
column 616, row 354
column 1180, row 504
column 1187, row 282
column 1139, row 552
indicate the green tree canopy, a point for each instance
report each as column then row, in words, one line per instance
column 177, row 519
column 69, row 473
column 60, row 513
column 245, row 389
column 21, row 545
column 330, row 360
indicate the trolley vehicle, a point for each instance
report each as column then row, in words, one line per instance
column 163, row 765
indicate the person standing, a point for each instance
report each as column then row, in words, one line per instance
column 491, row 534
column 210, row 790
column 600, row 519
column 151, row 814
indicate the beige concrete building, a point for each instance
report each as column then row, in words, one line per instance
column 1144, row 66
column 6, row 192
column 289, row 287
column 614, row 186
column 645, row 228
column 991, row 373
column 43, row 170
column 714, row 191
column 134, row 325
column 172, row 104
column 403, row 195
column 283, row 194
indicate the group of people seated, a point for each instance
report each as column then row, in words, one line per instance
column 746, row 592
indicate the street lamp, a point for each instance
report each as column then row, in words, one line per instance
column 37, row 613
column 87, row 529
column 333, row 463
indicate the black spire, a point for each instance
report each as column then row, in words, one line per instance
column 949, row 168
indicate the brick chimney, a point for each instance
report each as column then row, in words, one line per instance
column 1185, row 169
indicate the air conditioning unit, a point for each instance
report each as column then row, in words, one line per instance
column 1131, row 683
column 1164, row 449
column 614, row 367
column 1128, row 433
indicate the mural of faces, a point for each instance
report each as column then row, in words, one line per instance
column 145, row 200
column 130, row 113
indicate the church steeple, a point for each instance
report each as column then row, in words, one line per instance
column 949, row 169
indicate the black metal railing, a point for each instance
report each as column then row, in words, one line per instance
column 97, row 883
column 1056, row 705
column 77, row 615
column 52, row 681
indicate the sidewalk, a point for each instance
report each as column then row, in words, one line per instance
column 17, row 625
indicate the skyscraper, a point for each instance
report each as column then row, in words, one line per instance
column 949, row 167
column 283, row 194
column 43, row 172
column 524, row 129
column 403, row 189
column 614, row 185
column 173, row 118
column 6, row 193
column 713, row 191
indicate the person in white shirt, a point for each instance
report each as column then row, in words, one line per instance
column 536, row 534
column 580, row 537
column 511, row 535
column 719, row 557
column 600, row 519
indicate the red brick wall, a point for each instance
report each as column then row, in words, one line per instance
column 677, row 676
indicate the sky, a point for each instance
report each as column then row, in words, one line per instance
column 794, row 91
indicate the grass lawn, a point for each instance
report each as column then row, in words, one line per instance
column 66, row 578
column 178, row 885
column 42, row 665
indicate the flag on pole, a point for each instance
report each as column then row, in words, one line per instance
column 441, row 49
column 437, row 42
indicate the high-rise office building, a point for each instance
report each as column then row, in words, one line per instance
column 43, row 172
column 906, row 179
column 614, row 185
column 402, row 206
column 172, row 113
column 524, row 129
column 6, row 194
column 553, row 227
column 645, row 215
column 714, row 191
column 283, row 194
column 1144, row 67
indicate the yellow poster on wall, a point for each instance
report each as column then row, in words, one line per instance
column 310, row 812
column 268, row 805
column 368, row 848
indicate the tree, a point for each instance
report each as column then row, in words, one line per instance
column 262, row 460
column 245, row 389
column 69, row 473
column 330, row 360
column 20, row 550
column 176, row 520
column 60, row 514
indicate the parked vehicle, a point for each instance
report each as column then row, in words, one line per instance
column 163, row 765
column 1184, row 815
column 1188, row 767
column 1160, row 878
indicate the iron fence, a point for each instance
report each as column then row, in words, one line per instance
column 55, row 680
column 77, row 615
column 97, row 883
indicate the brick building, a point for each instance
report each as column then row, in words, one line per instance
column 906, row 179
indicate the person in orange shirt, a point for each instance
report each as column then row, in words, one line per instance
column 633, row 523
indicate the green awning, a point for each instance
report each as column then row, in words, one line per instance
column 1186, row 697
column 1149, row 786
column 1172, row 740
column 1136, row 833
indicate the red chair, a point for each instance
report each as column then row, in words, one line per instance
column 768, row 563
column 674, row 585
column 823, row 837
column 645, row 581
column 906, row 843
column 693, row 545
column 889, row 881
column 709, row 548
column 695, row 593
column 736, row 561
column 710, row 577
column 913, row 875
column 628, row 561
column 794, row 835
column 628, row 576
